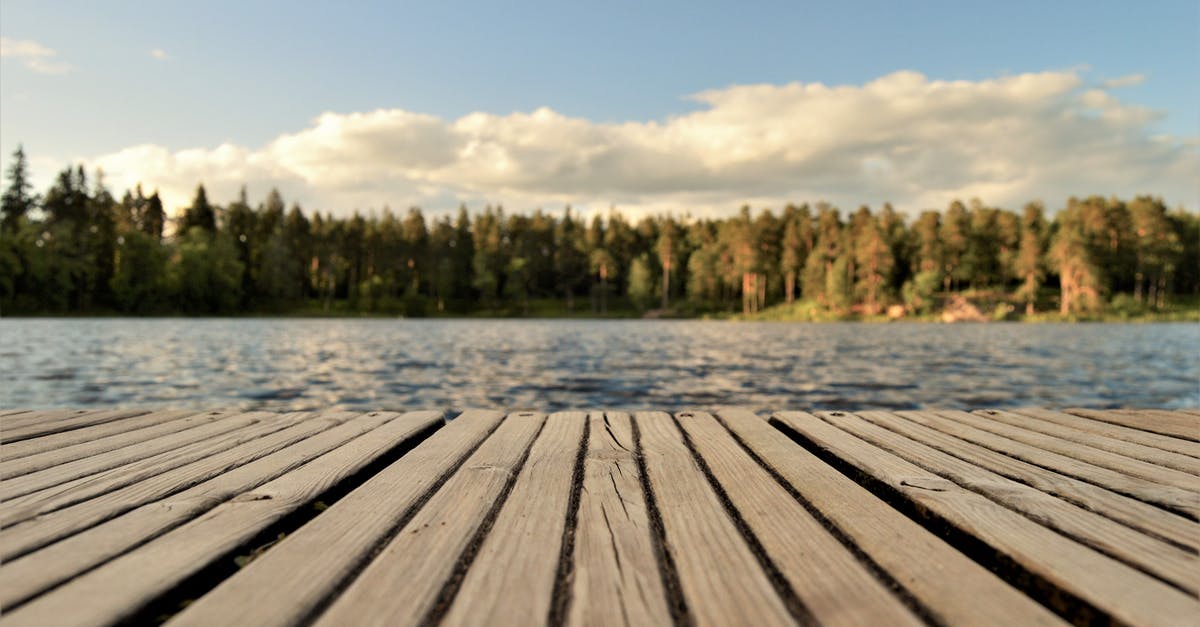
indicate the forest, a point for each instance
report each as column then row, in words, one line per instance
column 77, row 249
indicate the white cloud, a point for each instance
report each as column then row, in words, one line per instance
column 902, row 138
column 1123, row 81
column 160, row 54
column 33, row 55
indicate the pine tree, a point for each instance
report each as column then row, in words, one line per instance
column 200, row 215
column 18, row 198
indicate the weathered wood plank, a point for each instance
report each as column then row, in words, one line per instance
column 1150, row 555
column 1114, row 431
column 5, row 413
column 85, row 419
column 527, row 535
column 1131, row 512
column 51, row 443
column 47, row 500
column 36, row 572
column 171, row 422
column 942, row 580
column 27, row 419
column 118, row 590
column 34, row 534
column 1174, row 426
column 1148, row 454
column 616, row 579
column 1084, row 453
column 69, row 469
column 404, row 583
column 1190, row 411
column 1168, row 497
column 833, row 585
column 293, row 581
column 721, row 579
column 1098, row 583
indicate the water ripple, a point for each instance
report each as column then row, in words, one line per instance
column 558, row 364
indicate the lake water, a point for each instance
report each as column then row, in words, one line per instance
column 294, row 364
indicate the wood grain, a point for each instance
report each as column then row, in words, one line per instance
column 401, row 586
column 67, row 468
column 116, row 591
column 833, row 585
column 1164, row 496
column 1174, row 425
column 55, row 525
column 78, row 421
column 1131, row 512
column 1102, row 583
column 1151, row 555
column 526, row 537
column 295, row 579
column 1148, row 454
column 97, row 433
column 721, row 579
column 164, row 423
column 1126, row 434
column 616, row 579
column 26, row 507
column 943, row 581
column 1086, row 453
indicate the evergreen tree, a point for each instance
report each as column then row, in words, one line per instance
column 200, row 215
column 18, row 198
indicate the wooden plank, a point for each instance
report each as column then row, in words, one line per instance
column 528, row 534
column 1174, row 499
column 1099, row 584
column 4, row 413
column 34, row 534
column 721, row 579
column 1126, row 434
column 1190, row 411
column 42, row 416
column 1084, row 453
column 1148, row 454
column 32, row 574
column 940, row 579
column 1150, row 555
column 1174, row 426
column 26, row 507
column 118, row 590
column 70, row 468
column 616, row 578
column 1131, row 512
column 85, row 419
column 50, row 443
column 834, row 587
column 293, row 581
column 404, row 583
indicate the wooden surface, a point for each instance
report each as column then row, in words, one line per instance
column 994, row 517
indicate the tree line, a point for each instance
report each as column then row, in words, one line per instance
column 76, row 248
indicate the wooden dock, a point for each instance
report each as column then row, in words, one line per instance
column 1022, row 517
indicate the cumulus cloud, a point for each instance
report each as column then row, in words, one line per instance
column 33, row 56
column 1123, row 81
column 902, row 138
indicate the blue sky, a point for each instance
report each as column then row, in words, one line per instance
column 246, row 73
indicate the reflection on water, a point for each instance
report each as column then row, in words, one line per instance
column 556, row 364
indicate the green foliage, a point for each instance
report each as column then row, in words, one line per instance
column 207, row 277
column 641, row 283
column 76, row 250
column 919, row 292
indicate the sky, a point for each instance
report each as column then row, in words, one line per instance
column 649, row 107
